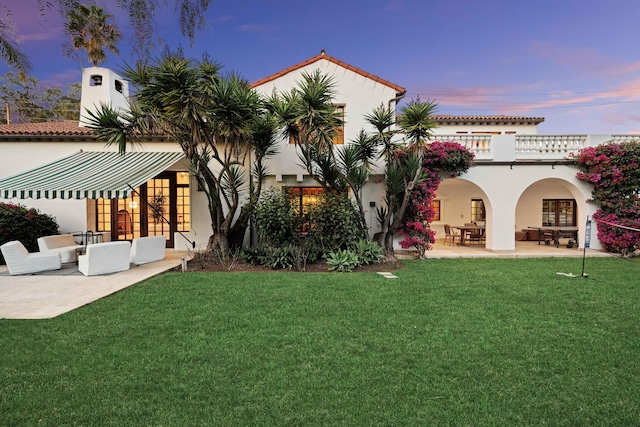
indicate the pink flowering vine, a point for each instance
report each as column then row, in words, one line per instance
column 613, row 171
column 439, row 158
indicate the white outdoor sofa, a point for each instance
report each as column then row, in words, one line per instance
column 105, row 258
column 148, row 249
column 20, row 261
column 65, row 244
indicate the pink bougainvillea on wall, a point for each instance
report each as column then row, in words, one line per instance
column 614, row 172
column 439, row 158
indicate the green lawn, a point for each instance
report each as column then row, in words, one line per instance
column 450, row 342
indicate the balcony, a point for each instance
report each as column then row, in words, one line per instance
column 530, row 147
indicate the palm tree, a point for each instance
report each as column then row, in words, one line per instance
column 218, row 122
column 88, row 29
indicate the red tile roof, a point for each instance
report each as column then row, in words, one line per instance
column 64, row 128
column 71, row 128
column 399, row 89
column 445, row 119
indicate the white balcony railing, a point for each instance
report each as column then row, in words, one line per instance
column 480, row 145
column 530, row 147
column 616, row 139
column 548, row 146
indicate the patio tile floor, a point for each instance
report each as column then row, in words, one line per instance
column 49, row 294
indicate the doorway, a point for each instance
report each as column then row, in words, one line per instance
column 160, row 207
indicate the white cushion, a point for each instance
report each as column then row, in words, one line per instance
column 105, row 258
column 64, row 244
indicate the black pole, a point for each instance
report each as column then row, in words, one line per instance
column 587, row 243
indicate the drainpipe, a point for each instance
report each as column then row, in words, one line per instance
column 396, row 99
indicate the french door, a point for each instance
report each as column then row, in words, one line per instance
column 160, row 207
column 148, row 212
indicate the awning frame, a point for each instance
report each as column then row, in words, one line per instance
column 89, row 174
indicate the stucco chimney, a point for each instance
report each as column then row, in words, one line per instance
column 102, row 86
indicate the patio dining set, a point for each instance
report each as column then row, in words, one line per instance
column 471, row 232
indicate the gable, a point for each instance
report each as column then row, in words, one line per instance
column 328, row 63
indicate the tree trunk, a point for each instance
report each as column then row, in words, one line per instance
column 218, row 242
column 236, row 237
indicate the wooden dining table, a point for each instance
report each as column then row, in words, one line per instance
column 467, row 229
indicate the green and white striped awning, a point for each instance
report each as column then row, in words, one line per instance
column 88, row 174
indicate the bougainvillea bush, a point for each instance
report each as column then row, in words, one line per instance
column 25, row 224
column 439, row 158
column 614, row 171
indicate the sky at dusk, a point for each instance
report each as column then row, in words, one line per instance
column 574, row 62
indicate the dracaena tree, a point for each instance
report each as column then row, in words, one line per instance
column 308, row 117
column 403, row 171
column 219, row 123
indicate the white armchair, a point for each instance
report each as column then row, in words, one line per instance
column 105, row 258
column 20, row 261
column 148, row 249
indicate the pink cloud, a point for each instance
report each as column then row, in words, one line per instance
column 517, row 99
column 46, row 35
column 584, row 60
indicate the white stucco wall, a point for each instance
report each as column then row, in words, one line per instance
column 359, row 95
column 513, row 199
column 105, row 93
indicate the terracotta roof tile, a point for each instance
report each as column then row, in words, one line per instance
column 71, row 128
column 64, row 128
column 399, row 89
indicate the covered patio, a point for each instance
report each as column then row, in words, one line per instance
column 523, row 249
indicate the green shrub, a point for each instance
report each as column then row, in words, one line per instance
column 335, row 222
column 18, row 222
column 253, row 255
column 274, row 257
column 368, row 252
column 275, row 219
column 342, row 260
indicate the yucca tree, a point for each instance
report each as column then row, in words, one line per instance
column 403, row 168
column 88, row 29
column 383, row 119
column 220, row 125
column 309, row 117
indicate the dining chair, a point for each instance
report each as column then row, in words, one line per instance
column 449, row 233
column 476, row 235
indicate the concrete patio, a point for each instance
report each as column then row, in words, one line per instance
column 50, row 294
